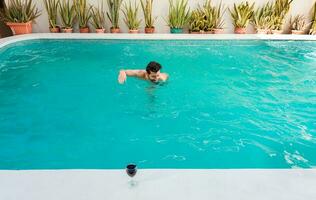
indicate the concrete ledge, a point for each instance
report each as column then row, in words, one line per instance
column 10, row 40
column 295, row 184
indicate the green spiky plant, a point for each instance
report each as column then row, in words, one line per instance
column 213, row 16
column 298, row 23
column 179, row 14
column 98, row 17
column 147, row 7
column 208, row 10
column 114, row 12
column 52, row 11
column 218, row 19
column 241, row 14
column 67, row 13
column 83, row 13
column 20, row 11
column 197, row 20
column 280, row 10
column 261, row 18
column 313, row 22
column 130, row 13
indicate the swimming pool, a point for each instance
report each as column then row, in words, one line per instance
column 228, row 104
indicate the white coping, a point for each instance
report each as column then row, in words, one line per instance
column 270, row 184
column 292, row 184
column 123, row 36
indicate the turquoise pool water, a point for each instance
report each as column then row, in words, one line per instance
column 228, row 104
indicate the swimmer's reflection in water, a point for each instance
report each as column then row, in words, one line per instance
column 152, row 74
column 151, row 89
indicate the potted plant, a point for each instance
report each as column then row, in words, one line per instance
column 179, row 15
column 208, row 10
column 218, row 20
column 83, row 12
column 197, row 21
column 298, row 25
column 98, row 19
column 19, row 15
column 52, row 11
column 147, row 7
column 241, row 15
column 280, row 10
column 312, row 30
column 114, row 14
column 67, row 14
column 131, row 20
column 261, row 19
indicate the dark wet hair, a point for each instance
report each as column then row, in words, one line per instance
column 153, row 67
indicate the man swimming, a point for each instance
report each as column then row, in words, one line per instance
column 152, row 73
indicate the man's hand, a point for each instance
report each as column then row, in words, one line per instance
column 122, row 77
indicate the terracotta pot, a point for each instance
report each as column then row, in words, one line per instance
column 133, row 31
column 262, row 31
column 55, row 30
column 239, row 30
column 115, row 30
column 297, row 32
column 209, row 32
column 100, row 30
column 20, row 28
column 218, row 30
column 67, row 30
column 150, row 30
column 84, row 30
column 276, row 32
column 196, row 32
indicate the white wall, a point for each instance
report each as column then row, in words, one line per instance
column 161, row 10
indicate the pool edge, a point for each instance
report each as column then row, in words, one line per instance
column 9, row 40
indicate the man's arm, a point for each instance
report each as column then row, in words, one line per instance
column 164, row 77
column 124, row 73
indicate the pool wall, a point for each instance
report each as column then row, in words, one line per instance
column 161, row 10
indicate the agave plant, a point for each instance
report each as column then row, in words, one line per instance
column 197, row 20
column 280, row 10
column 213, row 16
column 298, row 23
column 218, row 13
column 83, row 12
column 52, row 11
column 67, row 13
column 208, row 10
column 313, row 27
column 20, row 11
column 147, row 7
column 130, row 12
column 179, row 13
column 241, row 14
column 98, row 17
column 261, row 18
column 114, row 13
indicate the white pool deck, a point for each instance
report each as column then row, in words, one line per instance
column 294, row 184
column 229, row 184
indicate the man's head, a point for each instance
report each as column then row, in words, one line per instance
column 153, row 71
